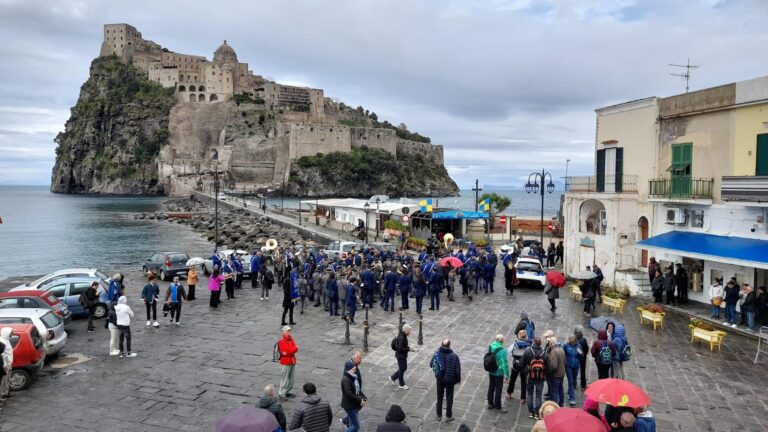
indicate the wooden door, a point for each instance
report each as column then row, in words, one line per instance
column 682, row 157
column 643, row 225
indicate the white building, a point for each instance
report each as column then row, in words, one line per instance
column 684, row 179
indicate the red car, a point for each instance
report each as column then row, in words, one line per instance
column 28, row 355
column 35, row 299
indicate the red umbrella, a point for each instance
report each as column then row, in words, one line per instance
column 572, row 419
column 453, row 261
column 556, row 279
column 617, row 392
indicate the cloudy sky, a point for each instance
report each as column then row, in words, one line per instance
column 507, row 86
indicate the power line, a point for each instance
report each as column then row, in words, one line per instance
column 687, row 74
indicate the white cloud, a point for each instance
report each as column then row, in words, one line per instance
column 507, row 86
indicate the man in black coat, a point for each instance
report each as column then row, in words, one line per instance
column 401, row 348
column 352, row 397
column 447, row 377
column 287, row 301
column 681, row 278
column 669, row 285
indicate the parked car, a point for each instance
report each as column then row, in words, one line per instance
column 381, row 246
column 48, row 324
column 71, row 272
column 68, row 290
column 167, row 264
column 529, row 271
column 340, row 249
column 35, row 299
column 223, row 255
column 28, row 355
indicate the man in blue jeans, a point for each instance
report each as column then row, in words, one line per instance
column 749, row 307
column 555, row 371
column 534, row 365
column 352, row 397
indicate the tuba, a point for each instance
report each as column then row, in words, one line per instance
column 448, row 241
column 271, row 244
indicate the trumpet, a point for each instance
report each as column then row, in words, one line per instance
column 448, row 240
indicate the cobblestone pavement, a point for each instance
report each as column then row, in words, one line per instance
column 185, row 378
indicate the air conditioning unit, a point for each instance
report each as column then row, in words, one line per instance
column 603, row 218
column 676, row 216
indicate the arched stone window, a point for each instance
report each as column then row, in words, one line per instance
column 201, row 88
column 213, row 98
column 192, row 88
column 182, row 88
column 192, row 98
column 201, row 98
column 591, row 216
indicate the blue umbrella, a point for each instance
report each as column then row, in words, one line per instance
column 601, row 322
column 247, row 420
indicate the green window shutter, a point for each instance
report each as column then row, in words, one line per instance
column 762, row 155
column 600, row 171
column 619, row 169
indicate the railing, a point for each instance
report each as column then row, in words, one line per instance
column 680, row 188
column 746, row 188
column 604, row 184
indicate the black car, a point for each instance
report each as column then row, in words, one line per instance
column 167, row 264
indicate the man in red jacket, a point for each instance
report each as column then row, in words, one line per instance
column 287, row 348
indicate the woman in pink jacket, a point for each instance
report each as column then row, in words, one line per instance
column 214, row 286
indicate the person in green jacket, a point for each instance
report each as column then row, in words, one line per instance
column 496, row 379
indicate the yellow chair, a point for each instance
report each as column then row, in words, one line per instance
column 614, row 304
column 713, row 337
column 575, row 292
column 656, row 318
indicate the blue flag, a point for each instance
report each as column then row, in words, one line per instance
column 295, row 285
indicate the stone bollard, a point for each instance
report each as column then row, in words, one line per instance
column 421, row 336
column 346, row 333
column 365, row 331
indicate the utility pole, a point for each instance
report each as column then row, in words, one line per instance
column 687, row 74
column 476, row 189
column 216, row 207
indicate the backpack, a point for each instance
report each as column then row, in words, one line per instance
column 537, row 369
column 393, row 344
column 82, row 299
column 626, row 352
column 529, row 330
column 605, row 356
column 276, row 353
column 436, row 364
column 489, row 360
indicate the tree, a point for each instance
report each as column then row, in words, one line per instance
column 373, row 116
column 498, row 204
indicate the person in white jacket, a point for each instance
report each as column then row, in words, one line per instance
column 716, row 297
column 124, row 314
column 7, row 354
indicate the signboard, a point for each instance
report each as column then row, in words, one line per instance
column 502, row 220
column 551, row 227
column 406, row 218
column 586, row 241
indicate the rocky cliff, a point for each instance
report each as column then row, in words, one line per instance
column 364, row 172
column 114, row 134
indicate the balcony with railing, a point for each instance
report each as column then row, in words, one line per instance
column 621, row 183
column 745, row 188
column 681, row 188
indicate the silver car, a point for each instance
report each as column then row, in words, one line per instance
column 60, row 274
column 47, row 323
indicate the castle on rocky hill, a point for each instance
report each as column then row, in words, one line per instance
column 253, row 142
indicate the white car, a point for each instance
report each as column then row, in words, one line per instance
column 223, row 255
column 47, row 323
column 60, row 274
column 339, row 249
column 530, row 271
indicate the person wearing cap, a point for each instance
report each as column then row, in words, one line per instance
column 287, row 349
column 404, row 284
column 350, row 298
column 255, row 268
column 174, row 295
column 390, row 284
column 352, row 397
column 368, row 282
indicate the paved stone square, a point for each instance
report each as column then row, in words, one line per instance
column 185, row 378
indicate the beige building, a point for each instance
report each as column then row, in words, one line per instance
column 684, row 179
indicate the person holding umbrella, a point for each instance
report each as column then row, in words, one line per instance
column 552, row 294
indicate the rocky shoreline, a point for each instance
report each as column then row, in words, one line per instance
column 238, row 229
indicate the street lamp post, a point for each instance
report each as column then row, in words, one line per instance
column 533, row 187
column 567, row 161
column 317, row 215
column 378, row 201
column 299, row 212
column 216, row 207
column 366, row 209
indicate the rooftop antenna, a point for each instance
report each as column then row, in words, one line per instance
column 687, row 75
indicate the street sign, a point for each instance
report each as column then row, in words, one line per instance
column 502, row 220
column 405, row 218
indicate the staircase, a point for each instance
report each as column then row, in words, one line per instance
column 635, row 281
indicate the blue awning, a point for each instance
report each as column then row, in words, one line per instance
column 459, row 214
column 732, row 250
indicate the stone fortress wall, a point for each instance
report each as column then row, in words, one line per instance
column 253, row 144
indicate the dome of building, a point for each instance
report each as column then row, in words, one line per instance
column 224, row 54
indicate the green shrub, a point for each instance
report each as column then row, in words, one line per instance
column 393, row 224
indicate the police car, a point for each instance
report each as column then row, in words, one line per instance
column 530, row 271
